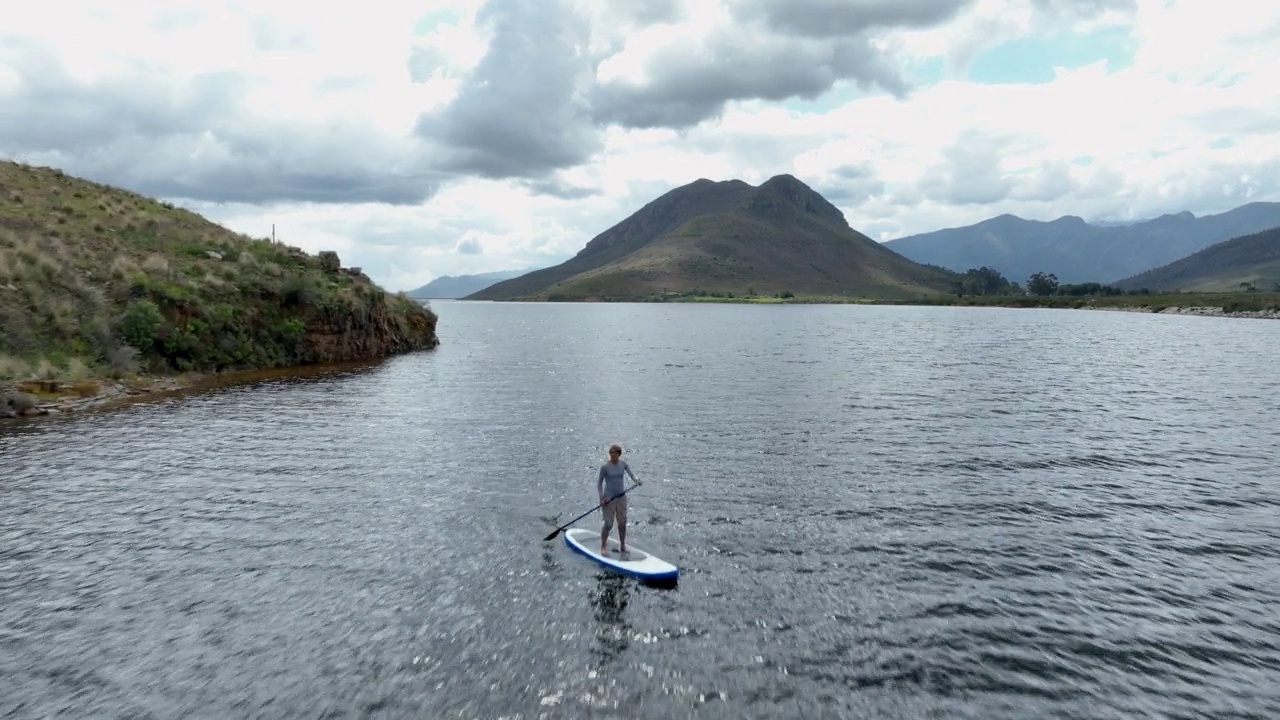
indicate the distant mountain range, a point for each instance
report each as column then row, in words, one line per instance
column 1240, row 263
column 1076, row 251
column 456, row 286
column 729, row 237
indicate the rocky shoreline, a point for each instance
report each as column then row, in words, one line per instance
column 1200, row 311
column 31, row 399
column 38, row 398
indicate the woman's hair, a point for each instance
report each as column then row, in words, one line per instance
column 615, row 448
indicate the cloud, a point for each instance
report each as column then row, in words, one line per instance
column 406, row 246
column 425, row 61
column 177, row 18
column 841, row 18
column 689, row 81
column 752, row 145
column 522, row 111
column 568, row 77
column 271, row 35
column 79, row 117
column 197, row 139
column 971, row 173
column 1077, row 9
column 1238, row 120
column 852, row 185
column 529, row 128
column 987, row 24
column 1048, row 181
column 558, row 189
column 469, row 246
column 342, row 83
column 649, row 12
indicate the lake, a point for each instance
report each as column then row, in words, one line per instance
column 890, row 512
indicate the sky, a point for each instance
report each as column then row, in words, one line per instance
column 441, row 137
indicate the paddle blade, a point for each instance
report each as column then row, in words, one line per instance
column 552, row 536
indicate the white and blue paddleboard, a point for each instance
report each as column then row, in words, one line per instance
column 636, row 562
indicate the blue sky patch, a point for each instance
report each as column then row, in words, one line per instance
column 1026, row 60
column 929, row 71
column 1032, row 60
column 429, row 22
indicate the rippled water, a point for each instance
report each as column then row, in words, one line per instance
column 878, row 512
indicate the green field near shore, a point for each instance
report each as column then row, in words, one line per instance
column 1155, row 302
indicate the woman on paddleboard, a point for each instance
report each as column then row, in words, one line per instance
column 613, row 504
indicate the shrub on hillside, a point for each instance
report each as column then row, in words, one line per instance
column 107, row 281
column 122, row 360
column 140, row 323
column 301, row 288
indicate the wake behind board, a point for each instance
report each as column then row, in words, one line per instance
column 636, row 563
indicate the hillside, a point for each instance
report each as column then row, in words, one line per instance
column 1252, row 260
column 1077, row 251
column 456, row 286
column 729, row 237
column 98, row 281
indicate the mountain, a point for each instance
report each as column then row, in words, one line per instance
column 456, row 286
column 97, row 281
column 729, row 237
column 1077, row 251
column 1252, row 259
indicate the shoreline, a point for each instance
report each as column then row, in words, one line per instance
column 52, row 398
column 1023, row 303
column 1196, row 310
column 34, row 398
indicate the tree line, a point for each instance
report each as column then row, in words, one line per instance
column 988, row 281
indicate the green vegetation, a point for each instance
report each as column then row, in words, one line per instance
column 984, row 287
column 1044, row 290
column 985, row 281
column 1155, row 302
column 96, row 281
column 1229, row 302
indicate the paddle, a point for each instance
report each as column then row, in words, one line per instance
column 556, row 532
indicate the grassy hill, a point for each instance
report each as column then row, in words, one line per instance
column 1078, row 252
column 730, row 238
column 1248, row 261
column 98, row 281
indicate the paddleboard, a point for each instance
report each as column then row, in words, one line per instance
column 635, row 562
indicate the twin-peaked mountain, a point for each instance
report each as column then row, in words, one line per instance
column 730, row 237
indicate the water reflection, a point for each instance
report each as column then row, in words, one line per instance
column 549, row 565
column 1052, row 514
column 610, row 599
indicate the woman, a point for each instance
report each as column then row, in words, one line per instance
column 613, row 504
